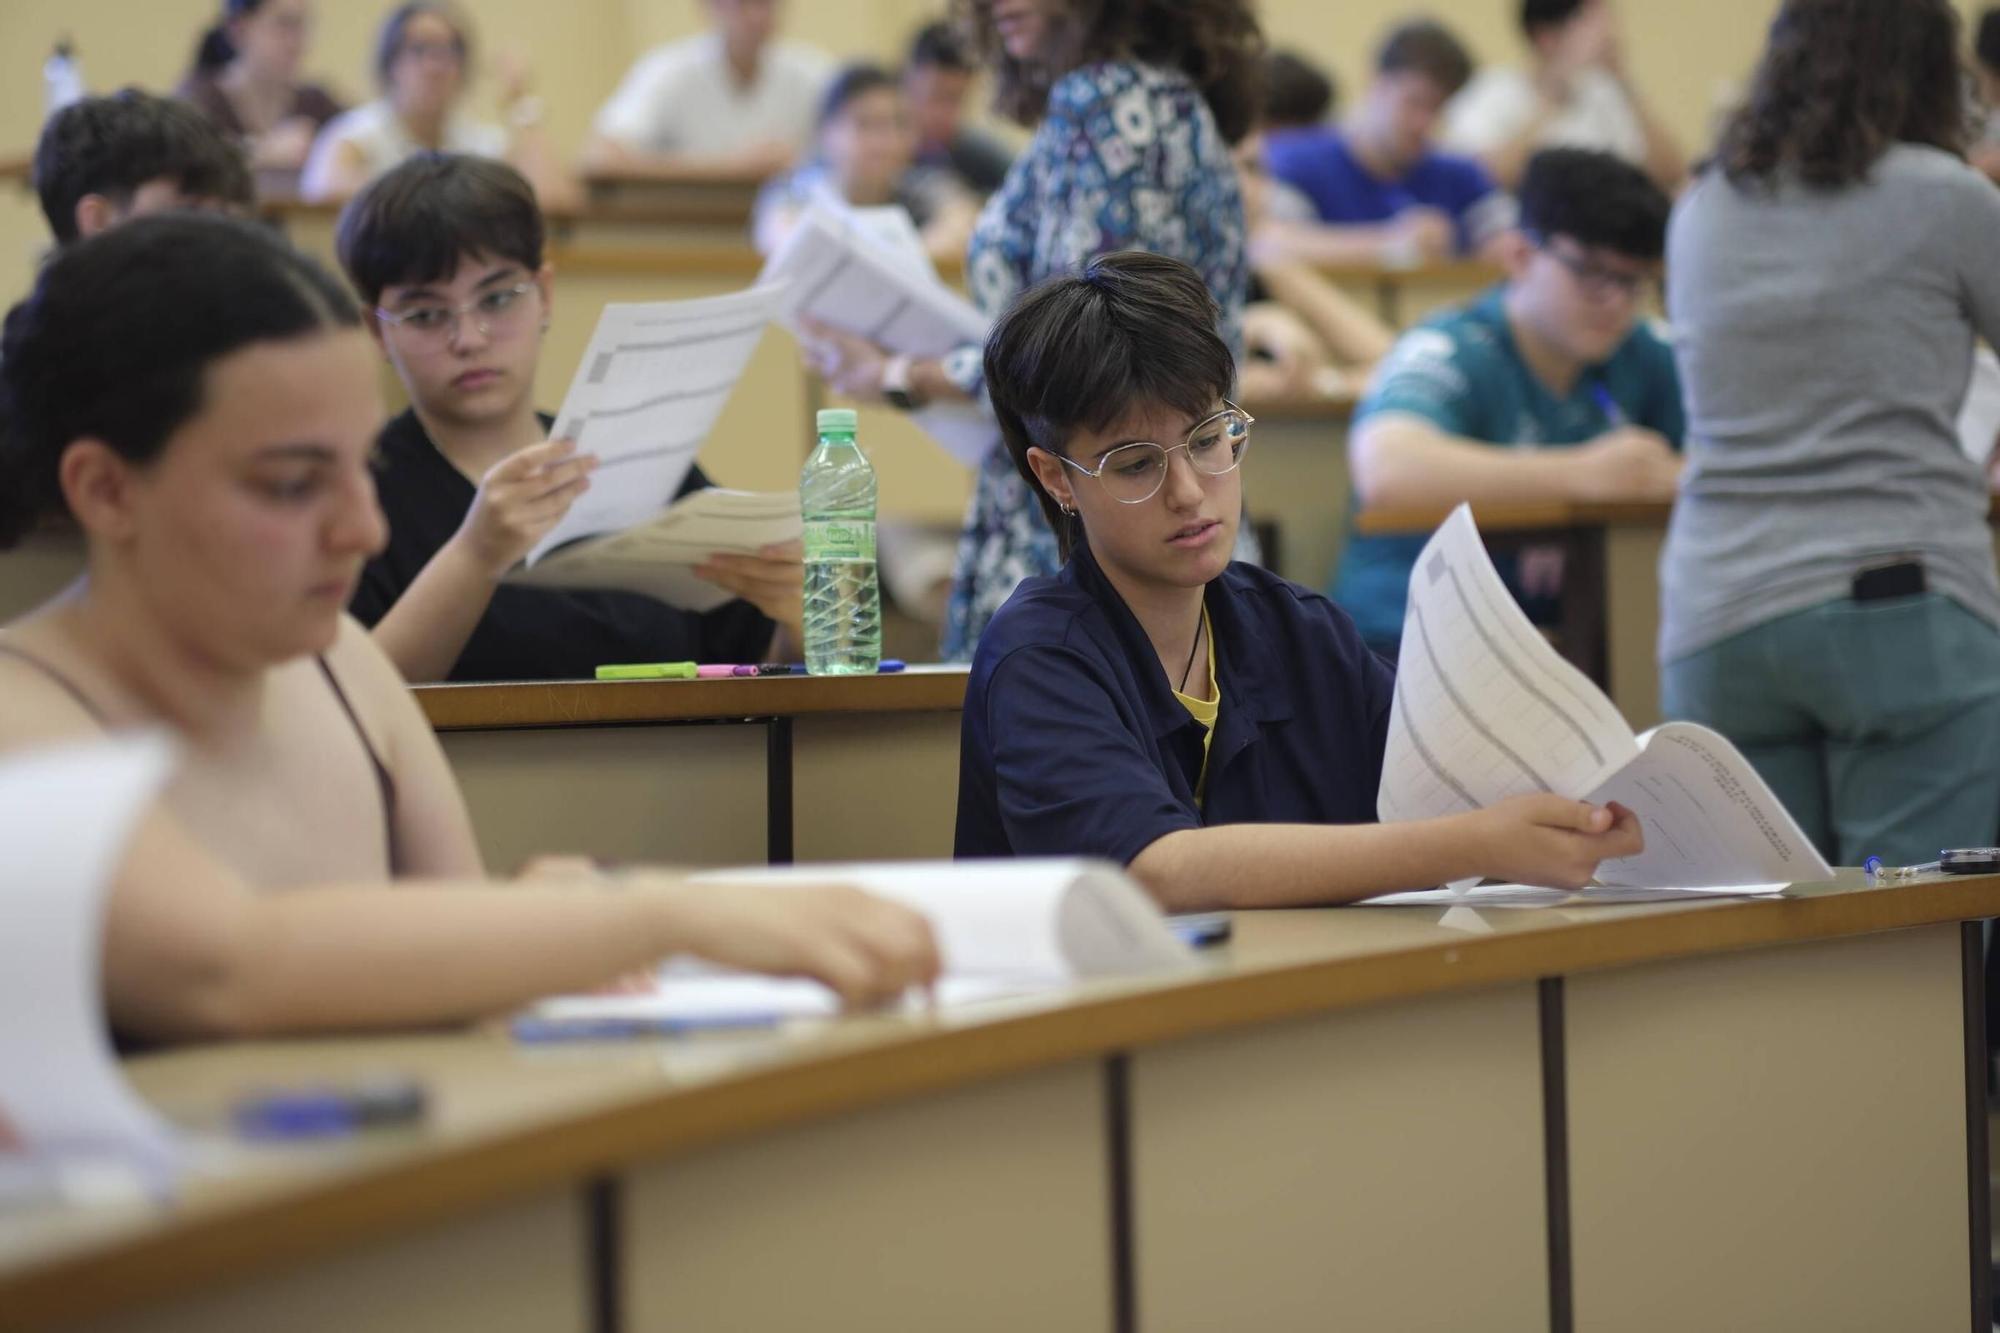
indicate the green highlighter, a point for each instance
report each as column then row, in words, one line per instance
column 648, row 671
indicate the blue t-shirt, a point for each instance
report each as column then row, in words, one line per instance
column 1318, row 162
column 1461, row 371
column 1074, row 744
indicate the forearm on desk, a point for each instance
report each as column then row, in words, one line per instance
column 1403, row 461
column 1301, row 865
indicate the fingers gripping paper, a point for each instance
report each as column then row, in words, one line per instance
column 1485, row 710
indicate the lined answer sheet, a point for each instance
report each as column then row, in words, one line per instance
column 1485, row 709
column 852, row 271
column 652, row 383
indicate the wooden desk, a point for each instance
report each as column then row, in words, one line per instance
column 1732, row 1115
column 1295, row 476
column 714, row 772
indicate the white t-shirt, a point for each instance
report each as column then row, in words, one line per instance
column 1498, row 105
column 683, row 98
column 384, row 144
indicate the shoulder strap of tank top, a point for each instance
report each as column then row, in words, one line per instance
column 384, row 779
column 69, row 687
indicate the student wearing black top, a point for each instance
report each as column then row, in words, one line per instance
column 447, row 250
column 1215, row 728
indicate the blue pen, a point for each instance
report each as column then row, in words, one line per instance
column 1613, row 414
column 529, row 1028
column 295, row 1114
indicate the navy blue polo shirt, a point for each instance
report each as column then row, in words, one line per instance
column 1074, row 744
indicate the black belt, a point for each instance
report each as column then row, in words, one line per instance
column 1883, row 583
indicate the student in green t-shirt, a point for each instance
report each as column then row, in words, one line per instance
column 1548, row 387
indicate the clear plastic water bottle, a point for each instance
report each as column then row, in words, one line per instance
column 843, row 601
column 62, row 78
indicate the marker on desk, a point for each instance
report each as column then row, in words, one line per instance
column 318, row 1113
column 648, row 671
column 530, row 1028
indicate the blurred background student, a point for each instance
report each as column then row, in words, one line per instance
column 937, row 79
column 864, row 157
column 423, row 63
column 246, row 78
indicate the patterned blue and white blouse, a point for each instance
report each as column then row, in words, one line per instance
column 1127, row 158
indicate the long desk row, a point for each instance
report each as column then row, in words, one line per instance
column 1766, row 1114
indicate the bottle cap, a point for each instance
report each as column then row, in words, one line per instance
column 838, row 419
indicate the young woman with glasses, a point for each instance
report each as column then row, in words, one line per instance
column 1213, row 727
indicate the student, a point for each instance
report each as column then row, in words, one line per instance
column 106, row 160
column 937, row 78
column 731, row 99
column 446, row 252
column 1549, row 387
column 246, row 79
column 1384, row 194
column 1829, row 599
column 1574, row 93
column 1298, row 95
column 423, row 59
column 864, row 158
column 1218, row 730
column 200, row 400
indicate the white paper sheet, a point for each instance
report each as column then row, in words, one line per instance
column 1529, row 895
column 65, row 818
column 649, row 390
column 841, row 270
column 658, row 557
column 1979, row 416
column 1485, row 710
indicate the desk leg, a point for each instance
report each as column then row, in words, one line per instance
column 1774, row 1139
column 778, row 802
column 1978, row 1111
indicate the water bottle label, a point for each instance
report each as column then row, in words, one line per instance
column 839, row 539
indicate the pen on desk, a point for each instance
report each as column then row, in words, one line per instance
column 541, row 1031
column 887, row 667
column 1608, row 405
column 1881, row 874
column 316, row 1113
column 648, row 671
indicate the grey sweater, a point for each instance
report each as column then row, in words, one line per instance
column 1825, row 342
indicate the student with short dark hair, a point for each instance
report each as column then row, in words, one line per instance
column 1574, row 93
column 1383, row 193
column 937, row 78
column 104, row 160
column 1216, row 729
column 198, row 398
column 447, row 253
column 1549, row 387
column 1297, row 93
column 864, row 157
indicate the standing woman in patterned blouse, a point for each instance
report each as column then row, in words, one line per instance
column 1135, row 104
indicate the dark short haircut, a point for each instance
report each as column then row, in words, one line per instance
column 1215, row 43
column 389, row 40
column 216, row 51
column 940, row 45
column 1296, row 91
column 1839, row 84
column 113, row 145
column 1597, row 199
column 855, row 80
column 1539, row 14
column 115, row 341
column 1986, row 41
column 1133, row 331
column 1427, row 48
column 415, row 224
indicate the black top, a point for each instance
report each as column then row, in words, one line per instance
column 532, row 633
column 1074, row 745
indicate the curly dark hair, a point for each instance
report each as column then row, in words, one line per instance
column 1840, row 83
column 1216, row 43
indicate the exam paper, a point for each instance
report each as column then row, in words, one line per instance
column 658, row 557
column 649, row 390
column 850, row 271
column 65, row 817
column 1529, row 895
column 1485, row 710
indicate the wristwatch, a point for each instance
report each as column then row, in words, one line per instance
column 896, row 384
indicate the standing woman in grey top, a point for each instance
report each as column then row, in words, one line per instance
column 1830, row 601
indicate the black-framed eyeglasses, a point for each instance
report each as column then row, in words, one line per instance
column 1134, row 473
column 1597, row 281
column 497, row 313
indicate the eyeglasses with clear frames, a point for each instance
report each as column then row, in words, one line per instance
column 496, row 314
column 1134, row 473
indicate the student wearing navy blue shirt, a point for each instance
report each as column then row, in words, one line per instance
column 1215, row 728
column 1383, row 193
